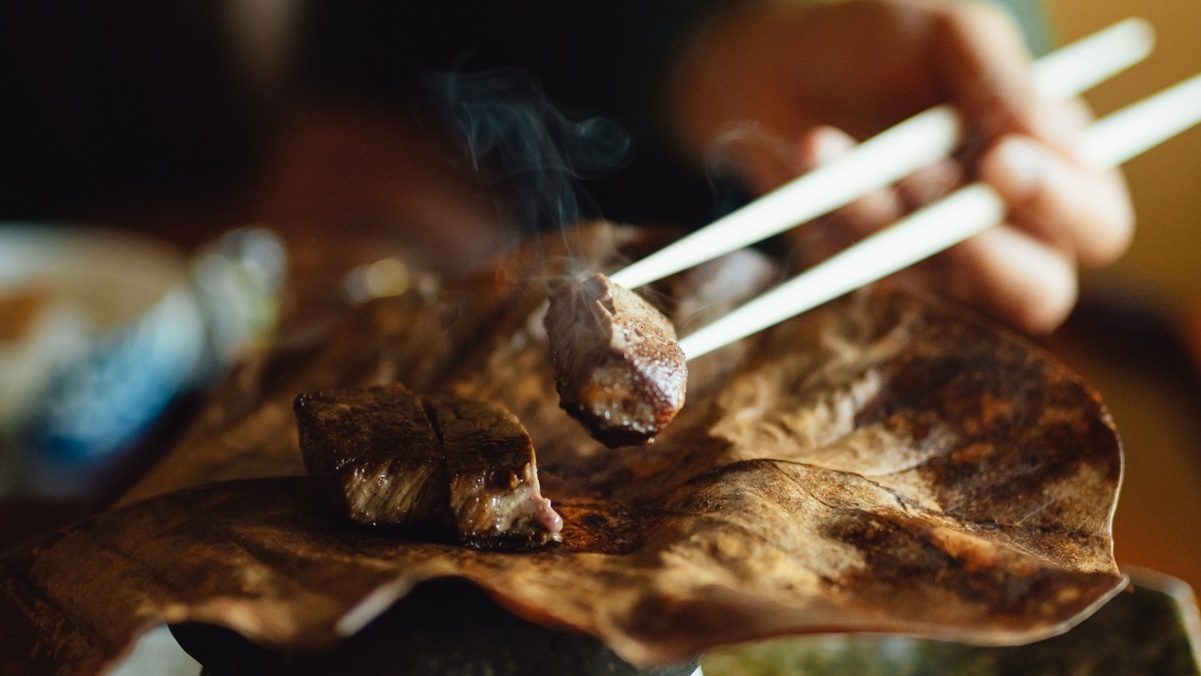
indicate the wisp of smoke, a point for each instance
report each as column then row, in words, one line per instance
column 535, row 155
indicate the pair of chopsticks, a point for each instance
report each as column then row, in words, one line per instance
column 892, row 155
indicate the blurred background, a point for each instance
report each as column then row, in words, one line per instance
column 1137, row 336
column 189, row 119
column 1166, row 182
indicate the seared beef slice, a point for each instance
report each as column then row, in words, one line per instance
column 385, row 457
column 494, row 491
column 618, row 367
column 374, row 453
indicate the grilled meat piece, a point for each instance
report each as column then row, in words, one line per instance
column 618, row 368
column 494, row 492
column 374, row 452
column 463, row 468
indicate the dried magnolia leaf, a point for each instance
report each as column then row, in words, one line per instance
column 881, row 464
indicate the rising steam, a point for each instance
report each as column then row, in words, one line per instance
column 535, row 155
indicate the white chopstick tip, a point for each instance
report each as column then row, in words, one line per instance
column 1141, row 32
column 1139, row 127
column 1137, row 32
column 1089, row 61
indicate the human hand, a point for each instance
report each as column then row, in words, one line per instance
column 775, row 89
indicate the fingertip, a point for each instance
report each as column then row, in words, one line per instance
column 1071, row 207
column 1115, row 228
column 1060, row 125
column 1041, row 300
column 1051, row 308
column 1112, row 248
column 1015, row 167
column 1019, row 280
column 822, row 144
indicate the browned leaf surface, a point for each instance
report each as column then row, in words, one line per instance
column 881, row 464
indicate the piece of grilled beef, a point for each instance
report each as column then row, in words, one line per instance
column 618, row 367
column 375, row 454
column 444, row 465
column 494, row 491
